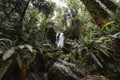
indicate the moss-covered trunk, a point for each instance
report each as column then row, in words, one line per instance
column 96, row 11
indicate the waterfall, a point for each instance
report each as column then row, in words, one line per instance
column 60, row 40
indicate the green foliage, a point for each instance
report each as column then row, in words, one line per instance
column 94, row 54
column 88, row 29
column 46, row 7
column 73, row 3
column 99, row 53
column 21, row 54
column 113, row 27
column 30, row 27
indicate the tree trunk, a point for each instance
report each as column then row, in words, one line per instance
column 96, row 11
column 21, row 20
column 109, row 4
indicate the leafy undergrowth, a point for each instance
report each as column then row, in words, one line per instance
column 99, row 56
column 95, row 57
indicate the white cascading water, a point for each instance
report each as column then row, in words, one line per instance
column 60, row 40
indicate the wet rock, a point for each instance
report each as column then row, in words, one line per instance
column 62, row 70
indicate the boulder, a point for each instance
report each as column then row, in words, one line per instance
column 94, row 77
column 63, row 70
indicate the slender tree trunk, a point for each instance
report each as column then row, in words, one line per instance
column 21, row 20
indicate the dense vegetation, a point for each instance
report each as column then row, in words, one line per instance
column 91, row 49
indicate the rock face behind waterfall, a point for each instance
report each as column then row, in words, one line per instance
column 62, row 70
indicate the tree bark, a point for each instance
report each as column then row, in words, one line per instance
column 96, row 11
column 21, row 19
column 109, row 4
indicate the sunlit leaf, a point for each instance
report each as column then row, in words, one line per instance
column 107, row 24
